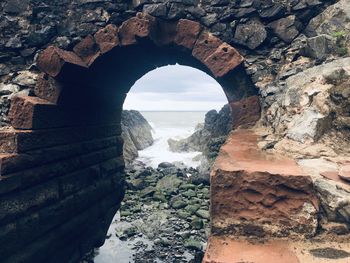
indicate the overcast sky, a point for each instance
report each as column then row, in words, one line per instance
column 175, row 88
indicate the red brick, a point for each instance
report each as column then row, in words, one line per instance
column 53, row 60
column 48, row 88
column 107, row 38
column 223, row 60
column 245, row 112
column 206, row 45
column 141, row 26
column 87, row 50
column 187, row 33
column 30, row 112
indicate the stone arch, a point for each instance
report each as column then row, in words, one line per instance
column 61, row 162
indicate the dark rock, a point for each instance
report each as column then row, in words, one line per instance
column 209, row 20
column 318, row 47
column 197, row 223
column 203, row 213
column 158, row 10
column 42, row 36
column 286, row 28
column 136, row 133
column 14, row 42
column 244, row 12
column 4, row 70
column 166, row 165
column 176, row 11
column 196, row 11
column 193, row 244
column 272, row 12
column 251, row 34
column 16, row 6
column 246, row 3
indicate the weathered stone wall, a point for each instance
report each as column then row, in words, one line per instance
column 61, row 165
column 58, row 191
column 262, row 30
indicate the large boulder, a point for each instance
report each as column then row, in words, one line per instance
column 136, row 133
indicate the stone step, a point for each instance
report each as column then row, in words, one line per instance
column 257, row 194
column 227, row 250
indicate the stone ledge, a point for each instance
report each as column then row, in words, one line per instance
column 227, row 250
column 259, row 194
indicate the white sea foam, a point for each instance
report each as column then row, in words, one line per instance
column 175, row 125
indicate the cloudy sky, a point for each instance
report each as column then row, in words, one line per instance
column 175, row 88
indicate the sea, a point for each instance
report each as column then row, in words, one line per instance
column 170, row 124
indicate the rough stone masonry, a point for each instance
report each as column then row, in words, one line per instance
column 61, row 178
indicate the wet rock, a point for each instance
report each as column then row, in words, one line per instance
column 137, row 184
column 203, row 213
column 166, row 165
column 192, row 209
column 197, row 223
column 178, row 204
column 169, row 184
column 125, row 229
column 193, row 244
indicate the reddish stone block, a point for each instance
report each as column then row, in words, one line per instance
column 107, row 38
column 206, row 45
column 141, row 26
column 245, row 112
column 24, row 110
column 52, row 60
column 187, row 33
column 223, row 60
column 227, row 250
column 48, row 88
column 8, row 143
column 344, row 172
column 257, row 194
column 87, row 50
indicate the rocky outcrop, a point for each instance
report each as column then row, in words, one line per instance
column 313, row 110
column 216, row 125
column 207, row 139
column 136, row 133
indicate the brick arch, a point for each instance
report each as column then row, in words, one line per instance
column 61, row 162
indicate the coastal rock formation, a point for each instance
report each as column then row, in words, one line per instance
column 136, row 133
column 216, row 125
column 207, row 139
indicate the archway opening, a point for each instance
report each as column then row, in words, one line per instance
column 165, row 212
